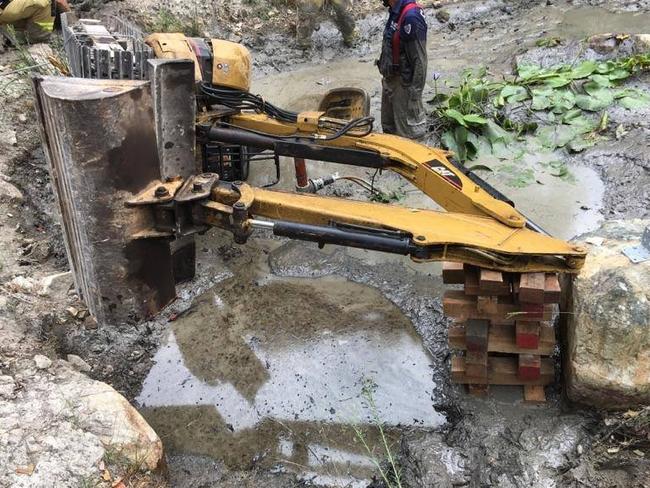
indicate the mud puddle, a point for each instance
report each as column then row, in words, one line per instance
column 588, row 21
column 291, row 374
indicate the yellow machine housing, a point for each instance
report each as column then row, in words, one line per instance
column 174, row 46
column 231, row 65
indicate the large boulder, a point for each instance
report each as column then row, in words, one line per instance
column 608, row 330
column 61, row 428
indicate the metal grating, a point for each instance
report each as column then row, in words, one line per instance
column 112, row 49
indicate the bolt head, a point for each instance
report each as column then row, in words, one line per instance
column 161, row 191
column 239, row 205
column 197, row 187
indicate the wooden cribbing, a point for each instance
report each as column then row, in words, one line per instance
column 502, row 339
column 531, row 287
column 534, row 394
column 453, row 273
column 529, row 367
column 499, row 314
column 493, row 282
column 476, row 366
column 527, row 335
column 503, row 371
column 476, row 335
column 552, row 288
column 487, row 305
column 462, row 307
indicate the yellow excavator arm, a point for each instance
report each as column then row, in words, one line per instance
column 477, row 229
column 480, row 226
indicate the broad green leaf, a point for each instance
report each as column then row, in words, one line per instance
column 583, row 70
column 542, row 91
column 449, row 142
column 460, row 134
column 593, row 104
column 495, row 133
column 571, row 114
column 558, row 81
column 552, row 136
column 516, row 176
column 626, row 92
column 480, row 167
column 481, row 144
column 540, row 102
column 579, row 144
column 528, row 71
column 518, row 97
column 582, row 125
column 562, row 100
column 599, row 92
column 606, row 67
column 602, row 80
column 632, row 103
column 501, row 150
column 618, row 74
column 472, row 145
column 474, row 119
column 455, row 115
column 510, row 90
column 560, row 170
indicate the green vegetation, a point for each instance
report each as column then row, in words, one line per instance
column 391, row 474
column 166, row 21
column 557, row 107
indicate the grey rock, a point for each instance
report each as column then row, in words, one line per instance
column 7, row 387
column 9, row 193
column 56, row 285
column 63, row 423
column 42, row 362
column 428, row 461
column 78, row 363
column 442, row 16
column 608, row 333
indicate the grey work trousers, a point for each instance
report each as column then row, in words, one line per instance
column 402, row 110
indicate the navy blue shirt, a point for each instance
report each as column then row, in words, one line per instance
column 413, row 30
column 414, row 27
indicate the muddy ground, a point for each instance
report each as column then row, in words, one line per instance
column 265, row 370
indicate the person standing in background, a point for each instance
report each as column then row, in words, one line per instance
column 403, row 66
column 309, row 12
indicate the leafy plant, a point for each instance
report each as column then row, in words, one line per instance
column 548, row 42
column 386, row 197
column 476, row 116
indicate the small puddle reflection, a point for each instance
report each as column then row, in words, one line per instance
column 280, row 372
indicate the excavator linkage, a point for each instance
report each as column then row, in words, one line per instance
column 132, row 195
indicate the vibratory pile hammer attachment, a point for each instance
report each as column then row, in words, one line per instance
column 133, row 194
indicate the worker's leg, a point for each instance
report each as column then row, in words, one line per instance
column 387, row 117
column 32, row 17
column 408, row 111
column 344, row 20
column 308, row 14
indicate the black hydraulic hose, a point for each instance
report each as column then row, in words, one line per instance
column 297, row 147
column 343, row 237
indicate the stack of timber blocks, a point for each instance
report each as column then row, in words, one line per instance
column 503, row 324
